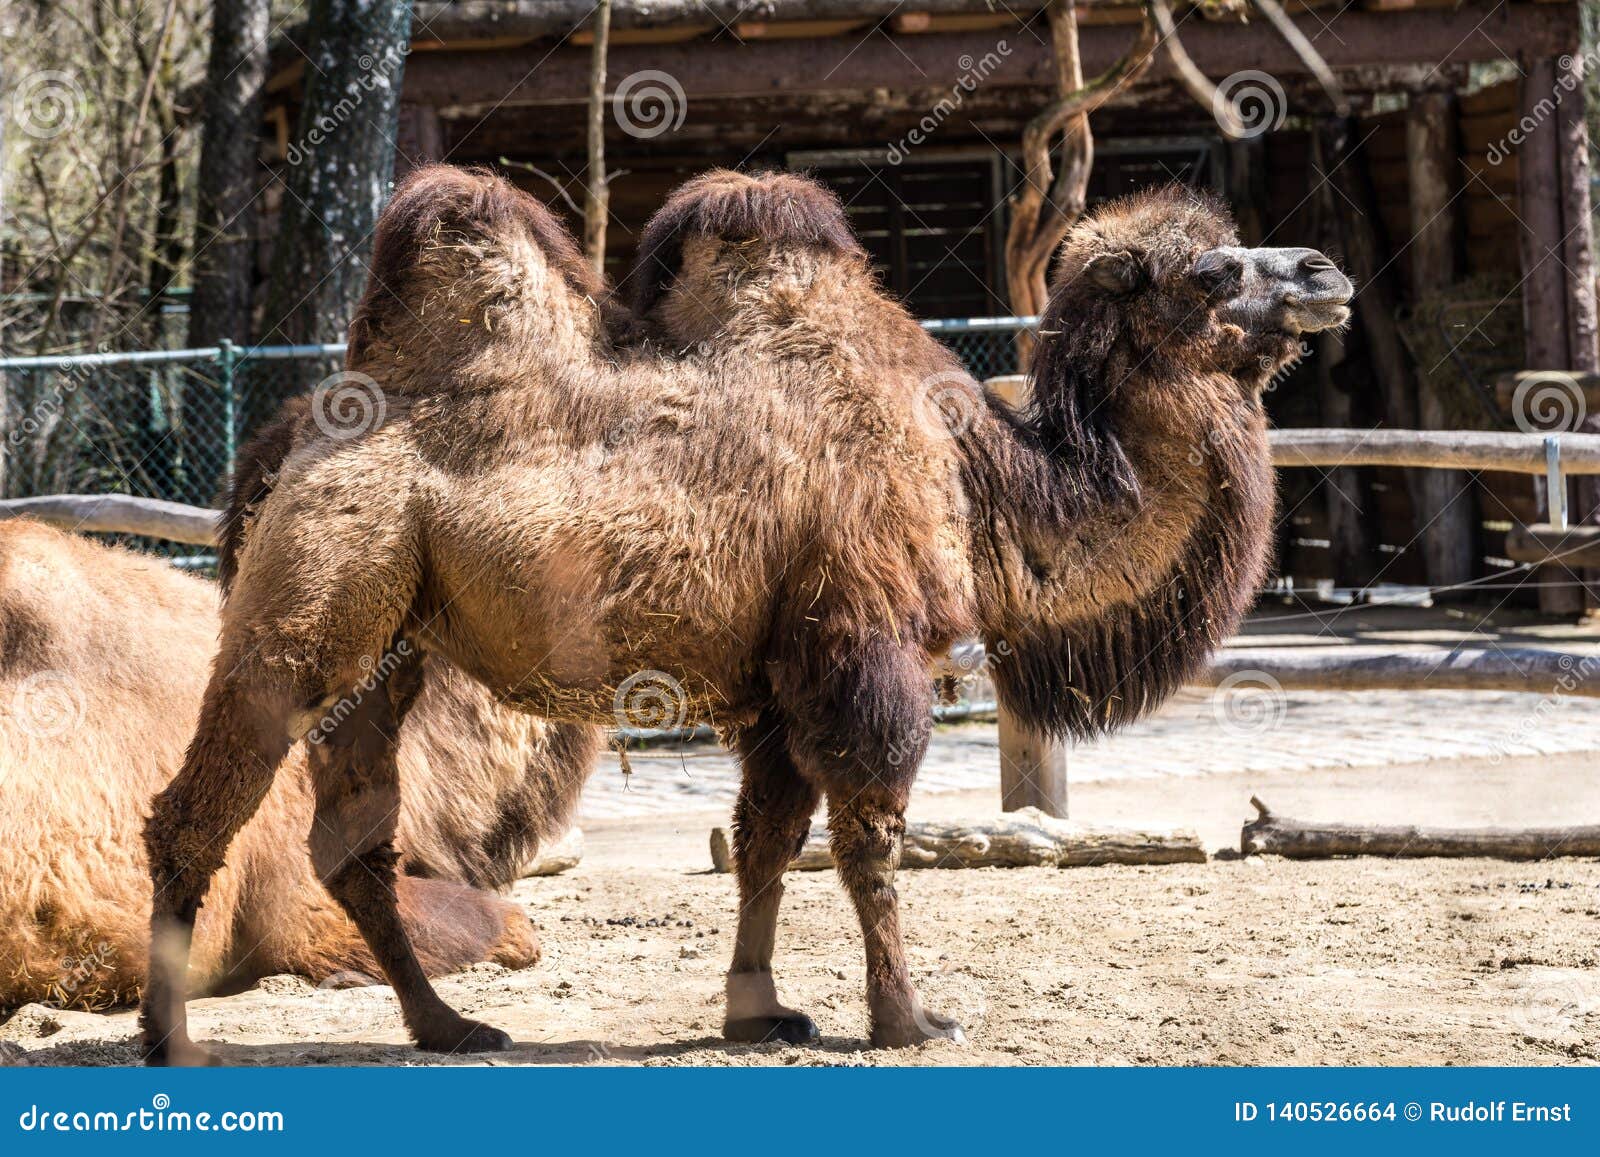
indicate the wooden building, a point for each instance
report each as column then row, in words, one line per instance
column 1457, row 189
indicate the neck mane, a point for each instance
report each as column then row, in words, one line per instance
column 1126, row 530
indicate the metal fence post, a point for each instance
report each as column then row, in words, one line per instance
column 227, row 359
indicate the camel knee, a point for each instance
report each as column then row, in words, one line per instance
column 866, row 841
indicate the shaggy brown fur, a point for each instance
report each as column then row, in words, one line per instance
column 103, row 660
column 778, row 523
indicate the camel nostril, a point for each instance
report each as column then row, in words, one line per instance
column 1316, row 263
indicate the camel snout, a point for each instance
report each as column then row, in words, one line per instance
column 1294, row 291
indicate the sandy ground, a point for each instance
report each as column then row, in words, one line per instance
column 1260, row 961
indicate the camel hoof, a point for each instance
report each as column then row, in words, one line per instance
column 469, row 1036
column 921, row 1027
column 794, row 1029
column 175, row 1052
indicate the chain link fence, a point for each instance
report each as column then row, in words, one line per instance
column 168, row 423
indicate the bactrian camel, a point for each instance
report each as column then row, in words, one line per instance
column 778, row 498
column 103, row 660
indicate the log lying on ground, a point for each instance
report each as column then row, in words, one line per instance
column 119, row 514
column 1384, row 669
column 1370, row 668
column 1022, row 839
column 1275, row 835
column 553, row 859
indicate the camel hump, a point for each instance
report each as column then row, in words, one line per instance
column 440, row 222
column 782, row 210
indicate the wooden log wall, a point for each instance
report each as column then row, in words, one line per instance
column 1488, row 247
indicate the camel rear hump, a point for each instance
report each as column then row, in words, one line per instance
column 740, row 222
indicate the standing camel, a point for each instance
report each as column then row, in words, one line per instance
column 778, row 514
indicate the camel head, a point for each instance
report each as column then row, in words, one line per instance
column 1163, row 274
column 727, row 244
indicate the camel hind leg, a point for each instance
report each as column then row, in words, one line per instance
column 770, row 823
column 242, row 738
column 356, row 778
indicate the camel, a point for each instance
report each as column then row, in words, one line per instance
column 103, row 661
column 774, row 503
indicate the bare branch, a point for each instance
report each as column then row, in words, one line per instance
column 1189, row 74
column 1304, row 49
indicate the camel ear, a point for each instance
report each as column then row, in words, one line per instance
column 1114, row 272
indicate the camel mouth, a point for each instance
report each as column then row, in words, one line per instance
column 1317, row 314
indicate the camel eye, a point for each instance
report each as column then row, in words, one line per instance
column 1219, row 274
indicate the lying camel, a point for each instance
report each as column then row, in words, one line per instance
column 775, row 518
column 103, row 661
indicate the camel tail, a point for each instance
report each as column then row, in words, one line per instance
column 436, row 244
column 254, row 476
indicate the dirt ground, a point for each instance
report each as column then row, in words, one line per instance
column 1260, row 961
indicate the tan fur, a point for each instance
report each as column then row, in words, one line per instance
column 103, row 660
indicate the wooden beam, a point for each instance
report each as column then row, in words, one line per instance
column 1439, row 449
column 1576, row 546
column 730, row 68
column 119, row 514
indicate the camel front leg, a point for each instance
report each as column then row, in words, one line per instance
column 770, row 823
column 355, row 774
column 859, row 726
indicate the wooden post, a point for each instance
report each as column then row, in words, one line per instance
column 419, row 139
column 1033, row 770
column 1544, row 286
column 1577, row 262
column 1449, row 540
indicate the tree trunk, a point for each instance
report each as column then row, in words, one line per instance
column 340, row 166
column 597, row 188
column 1449, row 514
